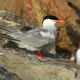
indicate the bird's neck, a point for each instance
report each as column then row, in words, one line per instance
column 50, row 27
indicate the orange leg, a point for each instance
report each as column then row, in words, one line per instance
column 38, row 54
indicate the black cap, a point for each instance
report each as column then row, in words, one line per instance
column 50, row 17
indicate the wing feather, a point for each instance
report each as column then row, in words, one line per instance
column 34, row 38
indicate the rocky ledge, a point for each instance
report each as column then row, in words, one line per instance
column 29, row 67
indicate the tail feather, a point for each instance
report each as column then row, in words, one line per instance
column 8, row 37
column 6, row 28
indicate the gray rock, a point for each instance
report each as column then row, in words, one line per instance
column 6, row 75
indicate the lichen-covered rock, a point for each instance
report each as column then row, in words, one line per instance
column 10, row 19
column 11, row 5
column 36, row 9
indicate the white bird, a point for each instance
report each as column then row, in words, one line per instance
column 35, row 39
column 77, row 56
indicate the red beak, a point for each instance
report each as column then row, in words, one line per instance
column 61, row 21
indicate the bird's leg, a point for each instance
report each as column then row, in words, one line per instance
column 39, row 55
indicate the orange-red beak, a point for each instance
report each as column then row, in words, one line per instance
column 61, row 21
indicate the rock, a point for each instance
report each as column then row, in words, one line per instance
column 13, row 5
column 38, row 9
column 29, row 69
column 9, row 18
column 35, row 10
column 68, row 39
column 6, row 75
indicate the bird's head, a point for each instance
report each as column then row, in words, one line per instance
column 50, row 21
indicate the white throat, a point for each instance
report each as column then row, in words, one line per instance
column 49, row 24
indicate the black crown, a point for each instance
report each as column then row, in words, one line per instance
column 50, row 17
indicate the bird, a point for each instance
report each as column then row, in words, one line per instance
column 77, row 56
column 35, row 39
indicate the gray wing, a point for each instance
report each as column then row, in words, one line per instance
column 33, row 38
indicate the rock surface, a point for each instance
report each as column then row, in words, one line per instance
column 6, row 75
column 32, row 68
column 35, row 10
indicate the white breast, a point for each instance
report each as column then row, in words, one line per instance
column 47, row 35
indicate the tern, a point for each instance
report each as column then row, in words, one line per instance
column 35, row 39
